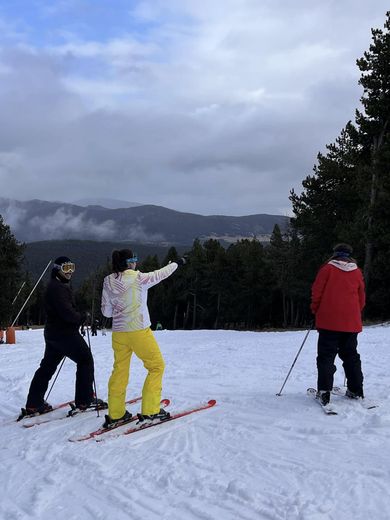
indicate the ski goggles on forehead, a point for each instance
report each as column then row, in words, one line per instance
column 132, row 260
column 67, row 267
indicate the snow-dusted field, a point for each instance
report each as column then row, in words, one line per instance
column 254, row 456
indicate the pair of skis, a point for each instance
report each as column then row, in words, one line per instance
column 329, row 409
column 99, row 434
column 104, row 433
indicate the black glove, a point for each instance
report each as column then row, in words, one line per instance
column 182, row 261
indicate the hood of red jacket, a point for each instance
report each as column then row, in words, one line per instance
column 343, row 266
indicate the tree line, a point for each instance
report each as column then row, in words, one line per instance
column 245, row 286
column 249, row 285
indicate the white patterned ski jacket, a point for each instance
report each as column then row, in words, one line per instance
column 124, row 297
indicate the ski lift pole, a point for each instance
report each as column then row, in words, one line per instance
column 29, row 296
column 21, row 287
column 296, row 357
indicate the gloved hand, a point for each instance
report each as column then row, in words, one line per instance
column 182, row 261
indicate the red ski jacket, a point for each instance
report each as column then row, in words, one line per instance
column 338, row 297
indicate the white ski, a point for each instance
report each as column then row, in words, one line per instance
column 328, row 408
column 368, row 405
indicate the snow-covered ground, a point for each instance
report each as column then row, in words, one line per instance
column 254, row 456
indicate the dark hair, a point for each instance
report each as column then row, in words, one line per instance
column 343, row 252
column 119, row 260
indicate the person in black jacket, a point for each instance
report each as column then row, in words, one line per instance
column 62, row 338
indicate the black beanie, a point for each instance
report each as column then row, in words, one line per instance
column 61, row 260
column 342, row 251
column 57, row 267
column 343, row 248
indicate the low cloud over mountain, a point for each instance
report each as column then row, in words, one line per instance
column 36, row 220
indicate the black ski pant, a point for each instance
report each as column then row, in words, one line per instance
column 331, row 343
column 75, row 348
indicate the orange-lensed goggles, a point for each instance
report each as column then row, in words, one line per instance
column 67, row 267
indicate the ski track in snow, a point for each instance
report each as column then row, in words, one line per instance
column 254, row 456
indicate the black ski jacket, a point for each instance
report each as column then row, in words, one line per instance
column 62, row 316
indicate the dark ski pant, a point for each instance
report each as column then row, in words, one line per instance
column 75, row 348
column 331, row 343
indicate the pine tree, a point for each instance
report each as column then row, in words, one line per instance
column 217, row 275
column 11, row 253
column 325, row 211
column 174, row 294
column 374, row 128
column 348, row 197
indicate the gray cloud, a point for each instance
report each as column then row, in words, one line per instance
column 69, row 222
column 224, row 112
column 63, row 223
column 12, row 214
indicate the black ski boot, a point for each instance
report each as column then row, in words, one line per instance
column 113, row 423
column 324, row 397
column 354, row 395
column 34, row 411
column 162, row 415
column 96, row 404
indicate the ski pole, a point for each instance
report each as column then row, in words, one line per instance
column 296, row 357
column 93, row 301
column 29, row 296
column 21, row 287
column 55, row 379
column 94, row 381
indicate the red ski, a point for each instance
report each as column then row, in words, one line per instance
column 178, row 415
column 44, row 419
column 164, row 403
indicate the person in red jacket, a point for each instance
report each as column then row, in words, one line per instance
column 338, row 298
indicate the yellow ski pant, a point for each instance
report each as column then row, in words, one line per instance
column 145, row 347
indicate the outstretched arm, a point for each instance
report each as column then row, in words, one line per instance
column 155, row 277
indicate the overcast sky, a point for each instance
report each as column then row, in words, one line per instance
column 211, row 107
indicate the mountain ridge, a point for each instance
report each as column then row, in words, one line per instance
column 37, row 220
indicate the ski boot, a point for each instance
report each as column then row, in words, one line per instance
column 162, row 415
column 324, row 397
column 96, row 404
column 110, row 423
column 354, row 395
column 34, row 411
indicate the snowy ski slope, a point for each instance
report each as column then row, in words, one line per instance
column 254, row 456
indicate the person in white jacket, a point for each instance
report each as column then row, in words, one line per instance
column 124, row 299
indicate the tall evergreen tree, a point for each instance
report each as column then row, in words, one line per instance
column 217, row 277
column 174, row 295
column 348, row 197
column 325, row 211
column 278, row 254
column 11, row 253
column 374, row 129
